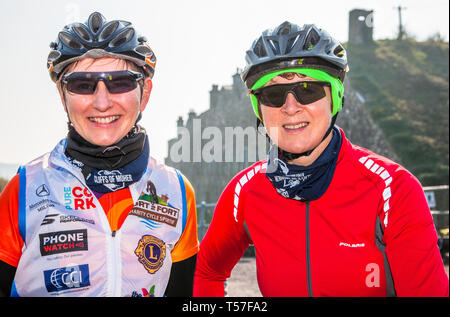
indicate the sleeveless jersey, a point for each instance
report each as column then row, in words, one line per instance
column 69, row 248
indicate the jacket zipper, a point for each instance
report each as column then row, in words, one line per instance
column 308, row 258
column 115, row 255
column 113, row 260
column 113, row 285
column 115, row 271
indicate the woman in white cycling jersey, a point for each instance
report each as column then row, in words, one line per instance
column 87, row 219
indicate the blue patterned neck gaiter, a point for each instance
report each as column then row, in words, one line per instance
column 304, row 183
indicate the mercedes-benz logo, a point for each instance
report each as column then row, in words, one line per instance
column 42, row 191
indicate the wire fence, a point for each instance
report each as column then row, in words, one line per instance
column 438, row 200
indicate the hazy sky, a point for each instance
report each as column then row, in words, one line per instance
column 198, row 43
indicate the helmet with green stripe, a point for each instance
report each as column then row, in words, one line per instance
column 306, row 50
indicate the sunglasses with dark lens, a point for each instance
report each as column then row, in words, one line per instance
column 117, row 82
column 305, row 92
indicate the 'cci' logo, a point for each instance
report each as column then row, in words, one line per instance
column 82, row 198
column 65, row 278
column 151, row 253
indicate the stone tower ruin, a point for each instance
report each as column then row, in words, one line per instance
column 360, row 27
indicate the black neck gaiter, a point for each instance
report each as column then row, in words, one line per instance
column 109, row 157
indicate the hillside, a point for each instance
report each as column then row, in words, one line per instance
column 405, row 85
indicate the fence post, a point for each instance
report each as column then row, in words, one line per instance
column 438, row 201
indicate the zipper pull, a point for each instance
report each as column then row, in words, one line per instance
column 113, row 234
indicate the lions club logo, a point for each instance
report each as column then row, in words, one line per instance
column 151, row 253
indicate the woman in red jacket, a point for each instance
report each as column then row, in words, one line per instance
column 326, row 217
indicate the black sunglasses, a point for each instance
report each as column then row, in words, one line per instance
column 305, row 92
column 117, row 82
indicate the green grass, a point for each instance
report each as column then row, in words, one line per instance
column 405, row 84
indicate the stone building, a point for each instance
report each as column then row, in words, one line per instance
column 230, row 125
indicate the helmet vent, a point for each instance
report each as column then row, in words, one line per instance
column 69, row 41
column 108, row 30
column 291, row 43
column 123, row 37
column 259, row 49
column 275, row 46
column 144, row 50
column 53, row 55
column 79, row 29
column 284, row 29
column 339, row 51
column 95, row 21
column 312, row 39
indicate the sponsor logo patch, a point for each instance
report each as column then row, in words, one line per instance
column 67, row 278
column 63, row 241
column 155, row 212
column 50, row 218
column 151, row 253
column 78, row 198
column 155, row 208
column 114, row 180
column 68, row 218
column 352, row 245
column 144, row 292
column 42, row 191
column 43, row 204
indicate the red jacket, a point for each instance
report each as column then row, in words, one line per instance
column 370, row 234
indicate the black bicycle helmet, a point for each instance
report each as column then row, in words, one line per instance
column 99, row 38
column 291, row 46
